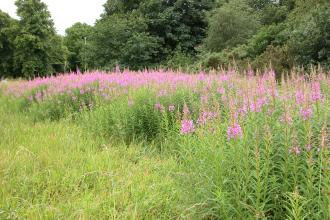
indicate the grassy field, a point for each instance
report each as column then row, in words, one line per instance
column 158, row 151
column 52, row 170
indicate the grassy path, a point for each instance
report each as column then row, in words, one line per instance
column 56, row 171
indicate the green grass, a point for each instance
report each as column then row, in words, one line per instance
column 53, row 170
column 120, row 161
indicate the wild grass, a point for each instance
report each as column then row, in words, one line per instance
column 173, row 146
column 53, row 170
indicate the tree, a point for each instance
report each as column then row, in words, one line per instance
column 140, row 51
column 119, row 39
column 178, row 23
column 119, row 6
column 8, row 29
column 310, row 37
column 35, row 52
column 230, row 25
column 78, row 41
column 173, row 24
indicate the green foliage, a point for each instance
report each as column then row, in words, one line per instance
column 276, row 57
column 114, row 33
column 180, row 60
column 140, row 51
column 38, row 50
column 310, row 38
column 123, row 153
column 119, row 7
column 8, row 30
column 230, row 25
column 142, row 121
column 57, row 170
column 268, row 35
column 292, row 33
column 140, row 34
column 78, row 41
column 180, row 23
column 273, row 14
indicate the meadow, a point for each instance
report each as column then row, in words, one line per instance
column 159, row 144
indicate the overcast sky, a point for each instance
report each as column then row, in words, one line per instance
column 64, row 12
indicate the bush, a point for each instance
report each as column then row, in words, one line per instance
column 230, row 25
column 310, row 39
column 276, row 57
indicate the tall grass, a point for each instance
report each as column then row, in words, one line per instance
column 236, row 146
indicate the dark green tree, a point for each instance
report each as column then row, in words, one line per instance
column 309, row 40
column 36, row 44
column 78, row 41
column 178, row 23
column 122, row 39
column 230, row 25
column 172, row 25
column 140, row 51
column 119, row 6
column 8, row 29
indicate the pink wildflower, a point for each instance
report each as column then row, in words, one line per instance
column 221, row 90
column 204, row 99
column 186, row 111
column 234, row 131
column 286, row 118
column 306, row 113
column 309, row 147
column 316, row 91
column 299, row 97
column 295, row 150
column 206, row 116
column 159, row 107
column 171, row 108
column 187, row 126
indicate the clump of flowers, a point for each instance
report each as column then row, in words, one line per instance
column 287, row 119
column 316, row 94
column 306, row 113
column 187, row 127
column 234, row 131
column 295, row 150
column 309, row 147
column 204, row 99
column 299, row 97
column 206, row 116
column 171, row 108
column 221, row 90
column 186, row 111
column 159, row 107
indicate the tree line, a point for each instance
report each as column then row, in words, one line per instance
column 192, row 34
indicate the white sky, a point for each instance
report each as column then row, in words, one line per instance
column 64, row 12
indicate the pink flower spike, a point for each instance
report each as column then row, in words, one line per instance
column 316, row 92
column 187, row 126
column 295, row 150
column 306, row 113
column 159, row 107
column 171, row 108
column 234, row 131
column 221, row 90
column 286, row 118
column 299, row 97
column 309, row 147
